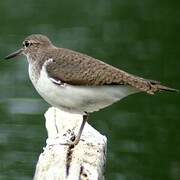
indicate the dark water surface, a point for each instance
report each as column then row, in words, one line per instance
column 141, row 37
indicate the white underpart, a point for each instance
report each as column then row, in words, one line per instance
column 78, row 99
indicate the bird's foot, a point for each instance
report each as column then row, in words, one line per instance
column 72, row 142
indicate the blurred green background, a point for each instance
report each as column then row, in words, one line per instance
column 141, row 37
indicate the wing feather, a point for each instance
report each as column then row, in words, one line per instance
column 79, row 69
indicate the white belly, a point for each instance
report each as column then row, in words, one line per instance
column 79, row 99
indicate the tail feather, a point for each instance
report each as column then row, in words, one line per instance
column 156, row 86
column 165, row 88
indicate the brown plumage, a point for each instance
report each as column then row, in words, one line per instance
column 79, row 69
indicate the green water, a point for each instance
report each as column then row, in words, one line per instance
column 141, row 37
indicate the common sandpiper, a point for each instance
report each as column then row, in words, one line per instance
column 76, row 82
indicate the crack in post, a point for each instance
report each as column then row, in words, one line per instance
column 55, row 121
column 69, row 158
column 83, row 174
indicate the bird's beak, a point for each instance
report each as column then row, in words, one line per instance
column 14, row 54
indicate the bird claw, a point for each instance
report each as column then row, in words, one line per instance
column 73, row 142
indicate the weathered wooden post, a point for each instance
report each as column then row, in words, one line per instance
column 85, row 161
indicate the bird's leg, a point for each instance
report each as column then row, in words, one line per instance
column 77, row 138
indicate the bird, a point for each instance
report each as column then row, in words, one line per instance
column 76, row 82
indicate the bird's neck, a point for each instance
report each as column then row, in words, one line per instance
column 37, row 60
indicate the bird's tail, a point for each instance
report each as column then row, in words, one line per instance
column 155, row 86
column 146, row 85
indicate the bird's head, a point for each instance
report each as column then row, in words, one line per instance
column 31, row 45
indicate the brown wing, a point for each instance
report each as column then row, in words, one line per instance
column 79, row 69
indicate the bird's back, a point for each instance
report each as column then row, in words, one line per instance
column 79, row 69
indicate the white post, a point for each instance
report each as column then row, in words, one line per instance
column 85, row 161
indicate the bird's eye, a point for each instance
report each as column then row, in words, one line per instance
column 26, row 44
